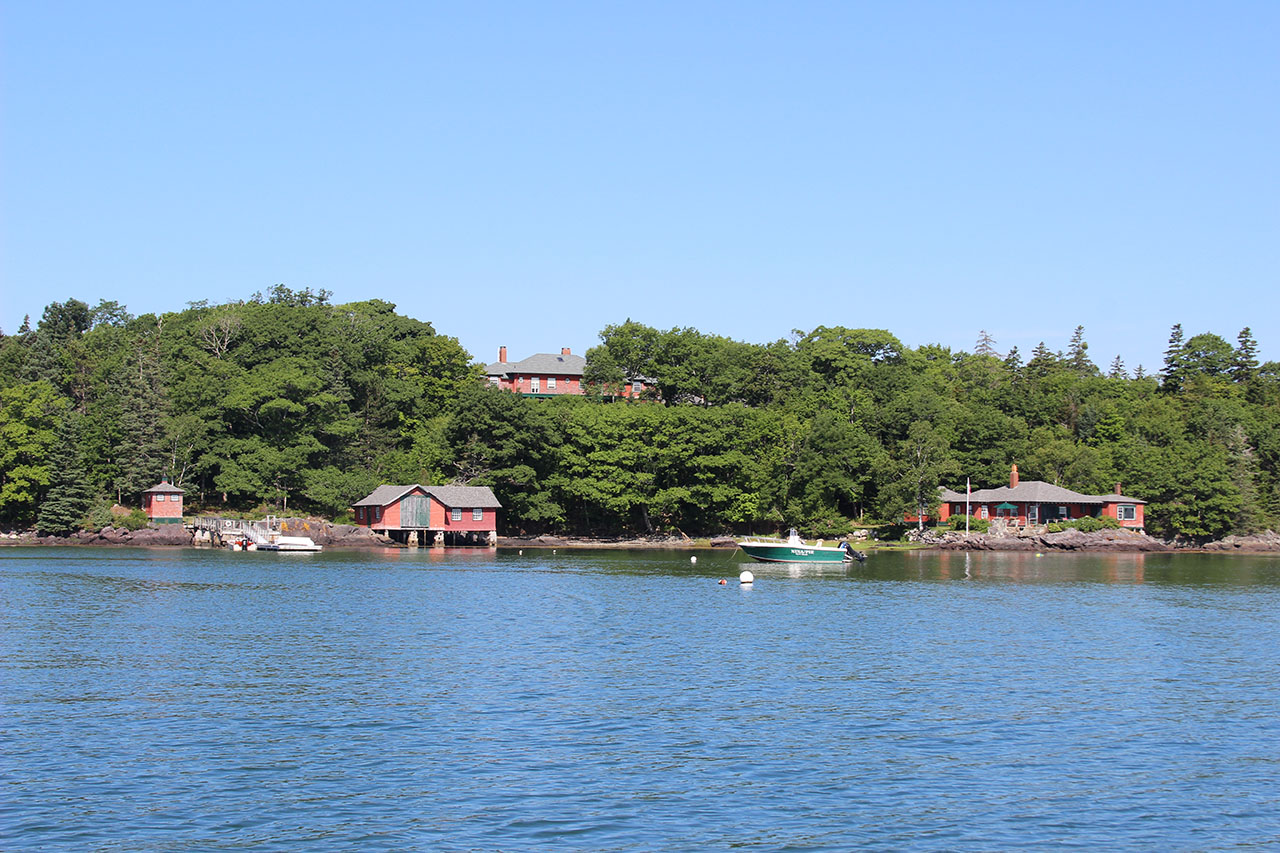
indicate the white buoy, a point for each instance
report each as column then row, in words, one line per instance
column 746, row 578
column 693, row 559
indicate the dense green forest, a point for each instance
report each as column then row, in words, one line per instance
column 289, row 403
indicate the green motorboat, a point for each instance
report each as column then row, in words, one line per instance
column 793, row 549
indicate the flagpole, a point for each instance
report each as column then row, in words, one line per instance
column 968, row 490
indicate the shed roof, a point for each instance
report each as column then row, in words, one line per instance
column 164, row 487
column 450, row 496
column 472, row 496
column 384, row 495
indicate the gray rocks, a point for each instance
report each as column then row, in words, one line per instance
column 1263, row 542
column 1067, row 540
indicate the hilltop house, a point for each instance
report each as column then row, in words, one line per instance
column 548, row 375
column 540, row 375
column 437, row 515
column 1033, row 502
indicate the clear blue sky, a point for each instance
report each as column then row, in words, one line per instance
column 526, row 173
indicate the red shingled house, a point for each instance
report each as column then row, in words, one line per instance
column 1033, row 502
column 431, row 515
column 163, row 503
column 548, row 375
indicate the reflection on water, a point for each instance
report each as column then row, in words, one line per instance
column 613, row 700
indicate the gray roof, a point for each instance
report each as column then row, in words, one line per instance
column 384, row 495
column 164, row 488
column 450, row 496
column 544, row 363
column 473, row 496
column 1035, row 491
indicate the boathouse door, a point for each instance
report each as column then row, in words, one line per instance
column 415, row 511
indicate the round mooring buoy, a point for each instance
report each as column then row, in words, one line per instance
column 693, row 559
column 746, row 578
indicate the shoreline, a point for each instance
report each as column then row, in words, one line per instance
column 344, row 538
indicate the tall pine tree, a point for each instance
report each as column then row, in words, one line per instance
column 1245, row 362
column 70, row 494
column 1174, row 361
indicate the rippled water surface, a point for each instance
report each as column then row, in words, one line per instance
column 201, row 700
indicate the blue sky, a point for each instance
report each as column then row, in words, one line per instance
column 523, row 174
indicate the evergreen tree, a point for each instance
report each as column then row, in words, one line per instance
column 1078, row 353
column 70, row 495
column 1246, row 356
column 1174, row 357
column 1042, row 361
column 986, row 344
column 1117, row 369
column 1139, row 373
column 1013, row 360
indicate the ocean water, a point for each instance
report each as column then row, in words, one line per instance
column 166, row 700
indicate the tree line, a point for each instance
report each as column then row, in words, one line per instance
column 290, row 403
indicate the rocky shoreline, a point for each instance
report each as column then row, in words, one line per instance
column 321, row 532
column 343, row 536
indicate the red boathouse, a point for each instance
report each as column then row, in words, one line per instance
column 431, row 515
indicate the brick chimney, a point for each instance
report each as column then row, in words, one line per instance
column 1118, row 492
column 1013, row 477
column 502, row 354
column 564, row 351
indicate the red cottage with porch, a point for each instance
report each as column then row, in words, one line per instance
column 1033, row 502
column 435, row 515
column 163, row 503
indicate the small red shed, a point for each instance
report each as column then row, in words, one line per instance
column 163, row 503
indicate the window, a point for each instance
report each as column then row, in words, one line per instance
column 159, row 497
column 1062, row 512
column 377, row 513
column 1127, row 512
column 551, row 383
column 535, row 385
column 983, row 514
column 359, row 513
column 477, row 514
column 493, row 380
column 456, row 513
column 637, row 387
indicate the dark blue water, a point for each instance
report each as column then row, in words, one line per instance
column 199, row 700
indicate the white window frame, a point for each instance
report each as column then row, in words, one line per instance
column 160, row 497
column 983, row 513
column 551, row 383
column 1127, row 512
column 477, row 514
column 637, row 387
column 535, row 385
column 455, row 514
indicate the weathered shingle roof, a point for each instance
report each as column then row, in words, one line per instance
column 384, row 495
column 465, row 496
column 1035, row 491
column 450, row 496
column 164, row 488
column 544, row 363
